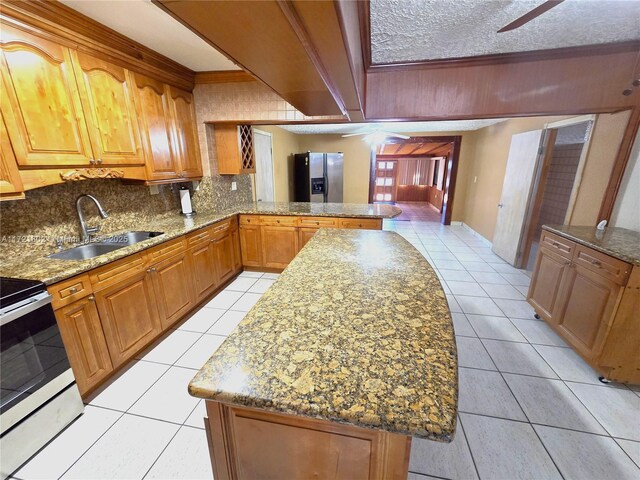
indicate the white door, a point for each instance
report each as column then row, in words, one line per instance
column 524, row 155
column 264, row 166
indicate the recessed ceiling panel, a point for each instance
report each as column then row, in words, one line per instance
column 145, row 23
column 394, row 127
column 419, row 30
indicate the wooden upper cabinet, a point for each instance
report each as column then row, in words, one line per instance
column 185, row 132
column 107, row 101
column 40, row 102
column 234, row 149
column 154, row 117
column 10, row 181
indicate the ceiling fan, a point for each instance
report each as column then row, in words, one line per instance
column 530, row 15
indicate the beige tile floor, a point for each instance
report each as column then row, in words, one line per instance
column 530, row 408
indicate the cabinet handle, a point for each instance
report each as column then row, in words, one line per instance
column 151, row 270
column 92, row 161
column 317, row 223
column 555, row 244
column 596, row 263
column 277, row 221
column 73, row 290
column 91, row 298
column 99, row 161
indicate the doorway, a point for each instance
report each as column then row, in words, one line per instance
column 420, row 171
column 541, row 182
column 262, row 143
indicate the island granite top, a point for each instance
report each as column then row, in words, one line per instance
column 356, row 330
column 618, row 242
column 26, row 257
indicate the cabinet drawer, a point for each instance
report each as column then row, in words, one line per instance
column 70, row 290
column 220, row 229
column 198, row 237
column 609, row 267
column 318, row 222
column 558, row 244
column 165, row 250
column 366, row 223
column 279, row 221
column 117, row 271
column 249, row 220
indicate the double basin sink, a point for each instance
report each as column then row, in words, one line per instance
column 104, row 245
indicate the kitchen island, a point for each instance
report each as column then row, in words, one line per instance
column 344, row 359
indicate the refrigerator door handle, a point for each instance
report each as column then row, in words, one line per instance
column 326, row 179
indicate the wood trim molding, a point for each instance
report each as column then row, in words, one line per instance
column 364, row 11
column 450, row 181
column 514, row 57
column 620, row 165
column 223, row 76
column 57, row 22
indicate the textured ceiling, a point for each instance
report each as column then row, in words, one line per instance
column 395, row 127
column 415, row 30
column 145, row 23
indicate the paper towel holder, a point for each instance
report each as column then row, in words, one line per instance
column 188, row 202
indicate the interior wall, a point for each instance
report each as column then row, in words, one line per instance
column 284, row 144
column 626, row 211
column 603, row 148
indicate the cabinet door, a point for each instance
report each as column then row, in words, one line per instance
column 305, row 234
column 237, row 255
column 10, row 181
column 545, row 290
column 223, row 254
column 185, row 133
column 40, row 102
column 154, row 118
column 107, row 102
column 279, row 245
column 84, row 342
column 251, row 245
column 129, row 316
column 590, row 300
column 203, row 270
column 173, row 288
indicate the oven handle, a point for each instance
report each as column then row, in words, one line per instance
column 25, row 307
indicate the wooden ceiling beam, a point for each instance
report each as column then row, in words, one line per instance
column 223, row 76
column 307, row 52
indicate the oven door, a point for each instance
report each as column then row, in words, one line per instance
column 33, row 360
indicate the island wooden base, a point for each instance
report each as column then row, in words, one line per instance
column 250, row 444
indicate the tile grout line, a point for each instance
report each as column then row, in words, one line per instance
column 473, row 460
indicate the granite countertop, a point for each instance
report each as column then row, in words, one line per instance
column 356, row 330
column 26, row 257
column 618, row 242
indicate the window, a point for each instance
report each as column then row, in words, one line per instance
column 380, row 181
column 387, row 197
column 379, row 197
column 388, row 181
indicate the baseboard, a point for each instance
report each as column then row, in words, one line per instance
column 473, row 232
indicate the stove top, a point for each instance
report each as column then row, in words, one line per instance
column 13, row 290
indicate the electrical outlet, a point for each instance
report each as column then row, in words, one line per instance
column 234, row 186
column 475, row 179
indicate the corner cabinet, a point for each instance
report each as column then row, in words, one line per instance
column 10, row 181
column 589, row 299
column 234, row 149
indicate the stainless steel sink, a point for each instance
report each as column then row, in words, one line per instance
column 105, row 245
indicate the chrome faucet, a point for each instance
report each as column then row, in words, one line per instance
column 86, row 230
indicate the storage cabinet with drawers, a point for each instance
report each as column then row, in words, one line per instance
column 589, row 299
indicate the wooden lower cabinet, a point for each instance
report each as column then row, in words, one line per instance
column 173, row 288
column 247, row 443
column 546, row 283
column 304, row 235
column 592, row 301
column 203, row 270
column 237, row 253
column 589, row 300
column 223, row 254
column 251, row 245
column 279, row 246
column 129, row 316
column 84, row 342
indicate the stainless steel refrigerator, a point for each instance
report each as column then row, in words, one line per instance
column 318, row 177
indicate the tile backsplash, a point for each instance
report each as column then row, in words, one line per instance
column 50, row 212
